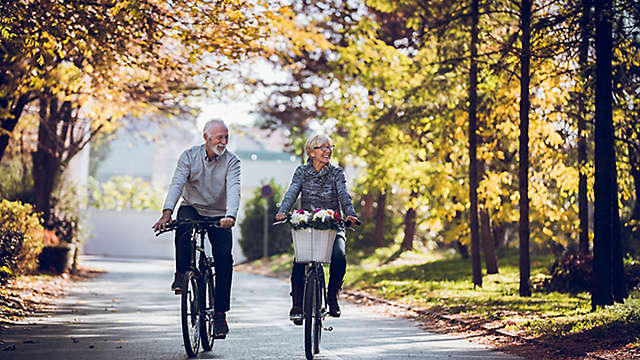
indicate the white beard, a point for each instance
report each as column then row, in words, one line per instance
column 217, row 150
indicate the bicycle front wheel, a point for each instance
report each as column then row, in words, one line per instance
column 190, row 314
column 206, row 317
column 308, row 310
column 317, row 318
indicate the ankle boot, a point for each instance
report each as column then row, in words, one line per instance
column 332, row 301
column 295, row 314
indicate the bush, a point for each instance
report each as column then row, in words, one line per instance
column 16, row 217
column 252, row 227
column 573, row 274
column 16, row 182
column 363, row 238
column 10, row 245
column 570, row 274
column 55, row 259
column 632, row 272
column 125, row 192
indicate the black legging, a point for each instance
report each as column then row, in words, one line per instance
column 221, row 254
column 336, row 270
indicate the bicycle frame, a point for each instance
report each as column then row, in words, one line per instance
column 315, row 272
column 203, row 261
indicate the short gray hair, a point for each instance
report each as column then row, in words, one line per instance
column 210, row 123
column 316, row 140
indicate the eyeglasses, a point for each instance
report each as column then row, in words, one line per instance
column 325, row 147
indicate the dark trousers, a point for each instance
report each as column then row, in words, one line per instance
column 221, row 242
column 337, row 268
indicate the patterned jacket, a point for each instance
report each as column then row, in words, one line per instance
column 324, row 189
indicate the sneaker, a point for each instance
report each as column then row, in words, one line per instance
column 178, row 281
column 295, row 315
column 220, row 327
column 334, row 309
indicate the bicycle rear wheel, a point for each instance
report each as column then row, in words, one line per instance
column 206, row 317
column 190, row 314
column 308, row 310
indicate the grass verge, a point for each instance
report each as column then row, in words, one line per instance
column 440, row 283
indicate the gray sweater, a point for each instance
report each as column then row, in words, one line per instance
column 324, row 189
column 211, row 187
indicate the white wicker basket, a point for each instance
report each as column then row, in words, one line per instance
column 313, row 245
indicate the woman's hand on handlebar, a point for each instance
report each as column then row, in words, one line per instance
column 350, row 220
column 280, row 216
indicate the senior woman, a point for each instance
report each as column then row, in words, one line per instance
column 321, row 185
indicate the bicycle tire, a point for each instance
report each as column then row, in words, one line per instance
column 190, row 314
column 317, row 323
column 206, row 318
column 309, row 307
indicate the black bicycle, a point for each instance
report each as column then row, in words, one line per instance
column 198, row 290
column 314, row 305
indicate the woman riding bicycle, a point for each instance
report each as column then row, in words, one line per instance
column 321, row 185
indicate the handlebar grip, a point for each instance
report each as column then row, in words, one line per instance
column 349, row 223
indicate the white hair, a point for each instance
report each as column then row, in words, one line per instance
column 210, row 123
column 316, row 140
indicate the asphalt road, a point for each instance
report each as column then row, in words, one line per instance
column 129, row 313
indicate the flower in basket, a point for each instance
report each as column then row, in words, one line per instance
column 319, row 219
column 325, row 219
column 299, row 219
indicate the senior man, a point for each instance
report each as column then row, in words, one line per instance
column 208, row 179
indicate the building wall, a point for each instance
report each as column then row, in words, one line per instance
column 128, row 232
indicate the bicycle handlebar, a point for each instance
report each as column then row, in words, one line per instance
column 347, row 224
column 199, row 224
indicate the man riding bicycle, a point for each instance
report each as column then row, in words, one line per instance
column 208, row 179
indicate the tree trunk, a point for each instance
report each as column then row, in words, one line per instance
column 367, row 208
column 409, row 226
column 523, row 169
column 634, row 159
column 473, row 161
column 583, row 202
column 490, row 259
column 46, row 158
column 618, row 283
column 9, row 123
column 380, row 216
column 499, row 232
column 463, row 250
column 608, row 279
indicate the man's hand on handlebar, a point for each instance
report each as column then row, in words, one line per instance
column 161, row 224
column 280, row 216
column 227, row 222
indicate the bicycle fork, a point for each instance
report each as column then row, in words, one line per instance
column 323, row 298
